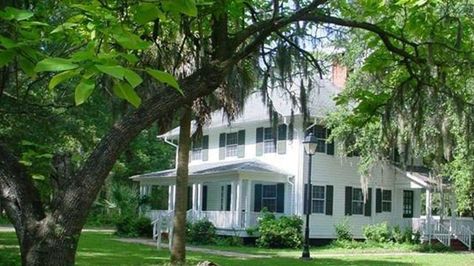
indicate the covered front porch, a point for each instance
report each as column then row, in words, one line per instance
column 231, row 195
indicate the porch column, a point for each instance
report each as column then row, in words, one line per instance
column 173, row 197
column 194, row 195
column 170, row 198
column 199, row 197
column 238, row 205
column 232, row 201
column 428, row 214
column 248, row 205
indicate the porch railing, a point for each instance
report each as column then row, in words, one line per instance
column 464, row 234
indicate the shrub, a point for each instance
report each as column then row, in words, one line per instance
column 284, row 232
column 398, row 236
column 201, row 232
column 379, row 233
column 343, row 230
column 232, row 241
column 133, row 227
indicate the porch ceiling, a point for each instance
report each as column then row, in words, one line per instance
column 218, row 171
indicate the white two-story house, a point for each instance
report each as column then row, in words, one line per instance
column 237, row 170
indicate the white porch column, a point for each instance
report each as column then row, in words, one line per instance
column 248, row 204
column 170, row 198
column 232, row 201
column 194, row 195
column 199, row 197
column 173, row 189
column 238, row 206
column 428, row 213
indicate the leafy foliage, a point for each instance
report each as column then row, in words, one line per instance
column 284, row 232
column 201, row 232
column 343, row 230
column 377, row 232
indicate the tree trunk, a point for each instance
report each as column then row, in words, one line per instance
column 178, row 252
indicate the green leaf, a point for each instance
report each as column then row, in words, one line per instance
column 11, row 13
column 25, row 162
column 6, row 57
column 114, row 71
column 83, row 90
column 38, row 177
column 7, row 42
column 131, row 58
column 129, row 40
column 64, row 26
column 132, row 77
column 187, row 7
column 27, row 66
column 61, row 77
column 147, row 12
column 55, row 64
column 164, row 78
column 125, row 91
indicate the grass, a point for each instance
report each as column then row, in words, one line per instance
column 101, row 249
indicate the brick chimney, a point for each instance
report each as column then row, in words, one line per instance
column 338, row 74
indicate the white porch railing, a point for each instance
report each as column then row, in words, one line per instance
column 444, row 230
column 162, row 222
column 464, row 234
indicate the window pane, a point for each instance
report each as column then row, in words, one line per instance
column 320, row 132
column 269, row 204
column 318, row 192
column 197, row 154
column 231, row 151
column 387, row 206
column 268, row 133
column 318, row 206
column 387, row 195
column 231, row 138
column 321, row 145
column 269, row 191
column 357, row 208
column 269, row 146
column 357, row 194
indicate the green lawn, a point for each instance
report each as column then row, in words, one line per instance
column 101, row 249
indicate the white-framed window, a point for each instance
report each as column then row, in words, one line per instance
column 196, row 150
column 269, row 197
column 268, row 140
column 357, row 201
column 231, row 145
column 386, row 200
column 322, row 133
column 318, row 199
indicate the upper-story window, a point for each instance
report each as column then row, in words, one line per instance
column 269, row 140
column 199, row 148
column 232, row 145
column 322, row 134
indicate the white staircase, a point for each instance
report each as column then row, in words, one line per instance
column 163, row 223
column 445, row 233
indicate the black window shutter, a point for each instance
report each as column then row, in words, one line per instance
column 204, row 198
column 190, row 197
column 329, row 199
column 348, row 200
column 205, row 148
column 228, row 196
column 259, row 145
column 378, row 200
column 222, row 146
column 257, row 198
column 241, row 144
column 259, row 134
column 280, row 198
column 368, row 203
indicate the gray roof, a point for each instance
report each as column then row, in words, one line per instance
column 320, row 104
column 237, row 166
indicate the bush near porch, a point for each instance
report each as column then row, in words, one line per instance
column 284, row 232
